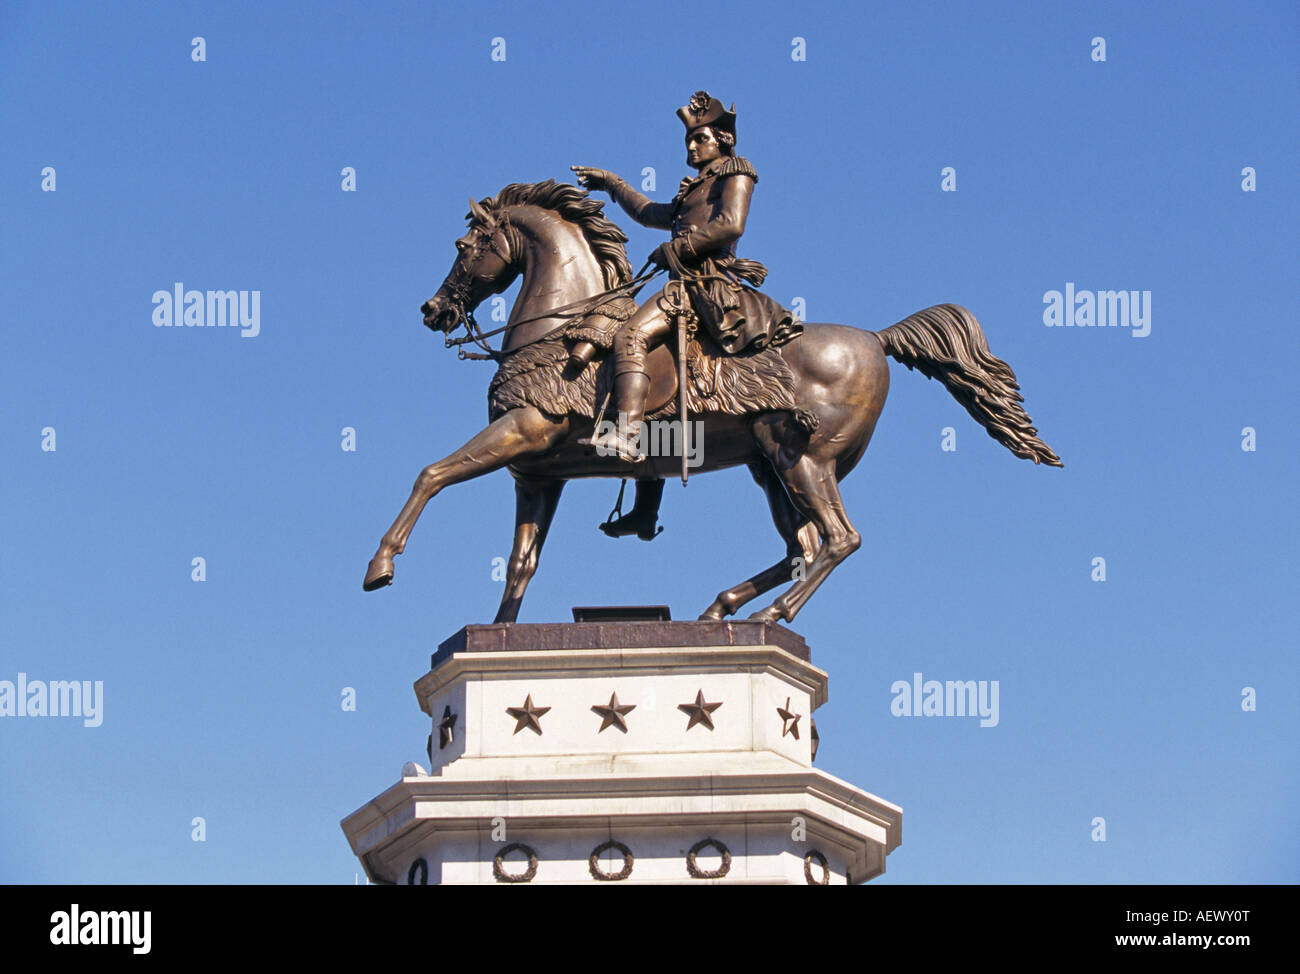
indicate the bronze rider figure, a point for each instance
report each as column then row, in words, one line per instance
column 707, row 218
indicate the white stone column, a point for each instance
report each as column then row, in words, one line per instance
column 631, row 752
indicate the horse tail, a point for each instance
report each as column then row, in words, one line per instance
column 946, row 343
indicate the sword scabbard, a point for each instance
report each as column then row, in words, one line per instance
column 681, row 391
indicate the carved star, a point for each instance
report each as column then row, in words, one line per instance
column 527, row 715
column 612, row 715
column 699, row 711
column 446, row 728
column 789, row 721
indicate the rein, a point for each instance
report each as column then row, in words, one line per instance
column 576, row 309
column 460, row 295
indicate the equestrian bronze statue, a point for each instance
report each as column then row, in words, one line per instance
column 795, row 402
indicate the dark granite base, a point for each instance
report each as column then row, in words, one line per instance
column 520, row 637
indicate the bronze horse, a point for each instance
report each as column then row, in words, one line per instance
column 557, row 238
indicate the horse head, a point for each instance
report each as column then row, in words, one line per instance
column 485, row 264
column 553, row 229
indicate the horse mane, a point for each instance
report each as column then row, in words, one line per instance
column 575, row 206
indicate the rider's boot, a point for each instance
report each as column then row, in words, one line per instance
column 631, row 386
column 643, row 517
column 624, row 438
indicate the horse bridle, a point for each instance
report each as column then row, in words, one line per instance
column 459, row 289
column 459, row 293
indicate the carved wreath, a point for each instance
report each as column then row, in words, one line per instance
column 811, row 856
column 498, row 864
column 593, row 862
column 696, row 872
column 421, row 867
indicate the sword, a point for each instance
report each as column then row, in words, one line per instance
column 681, row 391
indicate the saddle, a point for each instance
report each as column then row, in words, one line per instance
column 599, row 326
column 538, row 375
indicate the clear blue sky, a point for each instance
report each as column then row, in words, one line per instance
column 1119, row 699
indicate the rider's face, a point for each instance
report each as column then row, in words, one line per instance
column 702, row 148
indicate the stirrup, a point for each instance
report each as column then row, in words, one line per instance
column 611, row 528
column 616, row 514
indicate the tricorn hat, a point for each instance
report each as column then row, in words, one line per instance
column 704, row 109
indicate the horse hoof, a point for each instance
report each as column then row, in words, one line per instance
column 712, row 615
column 766, row 615
column 378, row 574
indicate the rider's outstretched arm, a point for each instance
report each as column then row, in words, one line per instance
column 640, row 208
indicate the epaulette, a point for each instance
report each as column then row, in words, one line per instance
column 727, row 166
column 735, row 166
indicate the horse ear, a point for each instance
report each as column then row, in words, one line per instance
column 476, row 212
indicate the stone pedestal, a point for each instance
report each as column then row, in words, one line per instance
column 633, row 752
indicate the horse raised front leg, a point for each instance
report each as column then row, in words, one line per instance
column 517, row 434
column 535, row 503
